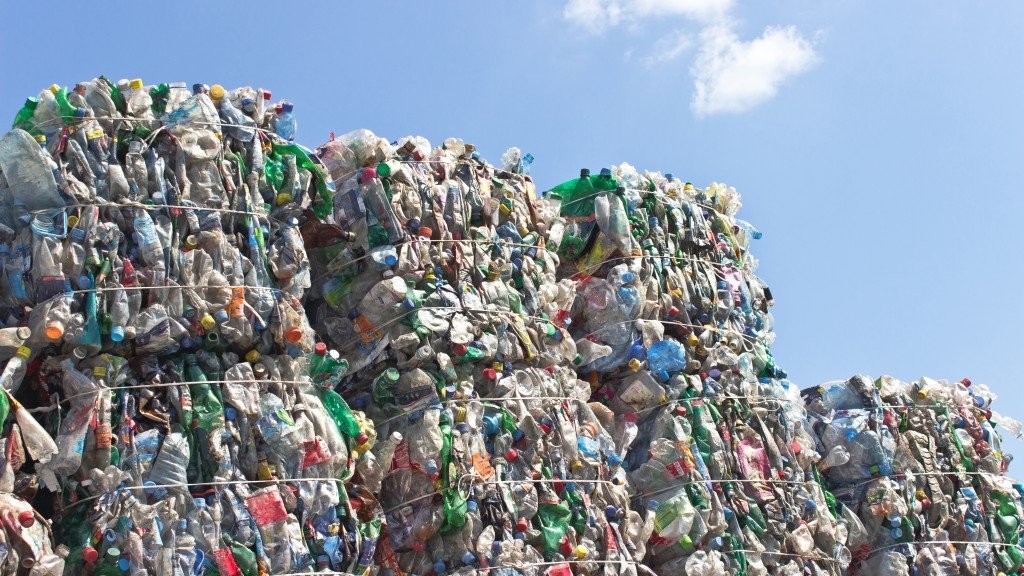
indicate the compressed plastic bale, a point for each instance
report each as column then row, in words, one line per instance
column 185, row 412
column 920, row 462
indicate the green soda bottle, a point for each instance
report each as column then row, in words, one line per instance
column 68, row 112
column 24, row 118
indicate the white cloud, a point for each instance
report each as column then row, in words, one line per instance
column 597, row 15
column 730, row 75
column 734, row 76
column 668, row 49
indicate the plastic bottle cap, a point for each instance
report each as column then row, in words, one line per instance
column 425, row 232
column 511, row 454
column 439, row 567
column 287, row 107
column 362, row 438
column 293, row 334
column 490, row 373
column 230, row 413
column 89, row 554
column 26, row 518
column 207, row 322
column 522, row 524
column 320, row 349
column 117, row 333
column 54, row 330
column 252, row 356
column 216, row 92
column 124, row 564
column 468, row 558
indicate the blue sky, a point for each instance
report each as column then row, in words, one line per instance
column 878, row 146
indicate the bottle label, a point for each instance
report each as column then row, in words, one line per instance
column 266, row 507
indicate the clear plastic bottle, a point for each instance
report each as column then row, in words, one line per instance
column 284, row 121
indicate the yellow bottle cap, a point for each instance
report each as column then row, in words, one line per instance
column 216, row 91
column 460, row 414
column 99, row 371
column 23, row 352
column 207, row 322
column 72, row 221
column 136, row 84
column 54, row 88
column 283, row 198
column 41, row 138
column 634, row 364
column 252, row 356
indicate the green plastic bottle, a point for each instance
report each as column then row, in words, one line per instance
column 244, row 557
column 24, row 118
column 68, row 112
column 340, row 412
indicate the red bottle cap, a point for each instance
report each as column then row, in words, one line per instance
column 320, row 348
column 522, row 524
column 293, row 334
column 511, row 454
column 26, row 518
column 89, row 554
column 490, row 373
column 460, row 349
column 362, row 438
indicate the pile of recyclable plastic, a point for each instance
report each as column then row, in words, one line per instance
column 163, row 410
column 227, row 354
column 919, row 471
column 572, row 384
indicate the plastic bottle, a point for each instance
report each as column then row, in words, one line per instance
column 28, row 173
column 284, row 121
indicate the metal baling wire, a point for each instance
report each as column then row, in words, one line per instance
column 907, row 475
column 121, row 489
column 751, row 399
column 503, row 243
column 188, row 382
column 863, row 556
column 454, row 310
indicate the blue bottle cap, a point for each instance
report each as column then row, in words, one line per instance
column 84, row 282
column 611, row 512
column 287, row 107
column 439, row 567
column 471, row 505
column 606, row 172
column 117, row 333
column 221, row 316
column 230, row 413
column 495, row 548
column 518, row 435
column 468, row 558
column 391, row 260
column 810, row 505
column 653, row 504
column 124, row 564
